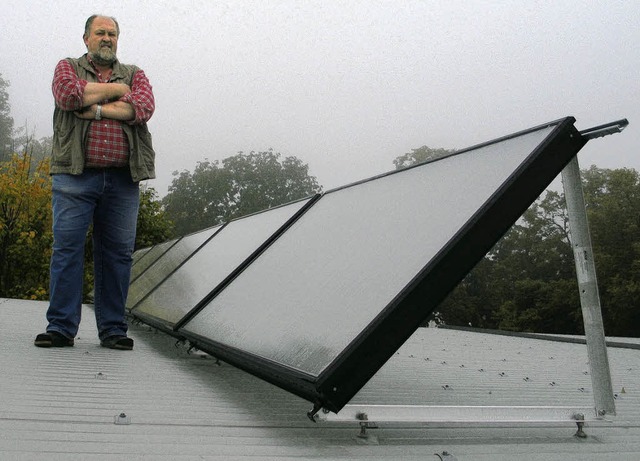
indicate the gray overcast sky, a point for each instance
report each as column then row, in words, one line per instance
column 346, row 86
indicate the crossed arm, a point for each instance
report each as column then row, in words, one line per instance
column 95, row 93
column 134, row 105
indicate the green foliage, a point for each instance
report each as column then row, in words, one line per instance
column 541, row 306
column 613, row 210
column 25, row 228
column 240, row 185
column 153, row 226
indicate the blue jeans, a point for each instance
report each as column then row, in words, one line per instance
column 109, row 199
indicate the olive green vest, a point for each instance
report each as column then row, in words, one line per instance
column 70, row 132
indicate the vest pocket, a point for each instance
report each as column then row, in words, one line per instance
column 62, row 147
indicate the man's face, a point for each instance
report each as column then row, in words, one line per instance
column 102, row 41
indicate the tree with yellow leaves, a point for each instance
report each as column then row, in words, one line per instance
column 25, row 227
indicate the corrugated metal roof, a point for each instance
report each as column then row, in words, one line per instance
column 63, row 403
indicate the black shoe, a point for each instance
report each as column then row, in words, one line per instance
column 53, row 339
column 118, row 342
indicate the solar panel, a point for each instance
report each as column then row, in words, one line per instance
column 212, row 263
column 321, row 309
column 149, row 257
column 138, row 254
column 166, row 264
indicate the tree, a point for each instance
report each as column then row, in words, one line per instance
column 613, row 210
column 25, row 228
column 239, row 185
column 419, row 155
column 6, row 122
column 153, row 226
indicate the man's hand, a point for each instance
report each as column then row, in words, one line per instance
column 87, row 113
column 117, row 110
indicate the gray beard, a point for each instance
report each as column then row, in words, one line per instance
column 104, row 57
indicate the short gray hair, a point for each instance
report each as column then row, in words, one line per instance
column 87, row 26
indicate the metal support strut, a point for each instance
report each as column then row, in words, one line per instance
column 588, row 286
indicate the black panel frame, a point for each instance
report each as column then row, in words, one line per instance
column 367, row 353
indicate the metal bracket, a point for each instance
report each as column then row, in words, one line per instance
column 122, row 419
column 364, row 425
column 580, row 422
column 454, row 414
column 312, row 414
column 605, row 130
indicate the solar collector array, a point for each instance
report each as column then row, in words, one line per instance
column 316, row 298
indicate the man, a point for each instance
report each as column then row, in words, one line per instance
column 101, row 150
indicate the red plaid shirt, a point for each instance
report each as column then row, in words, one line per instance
column 106, row 144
